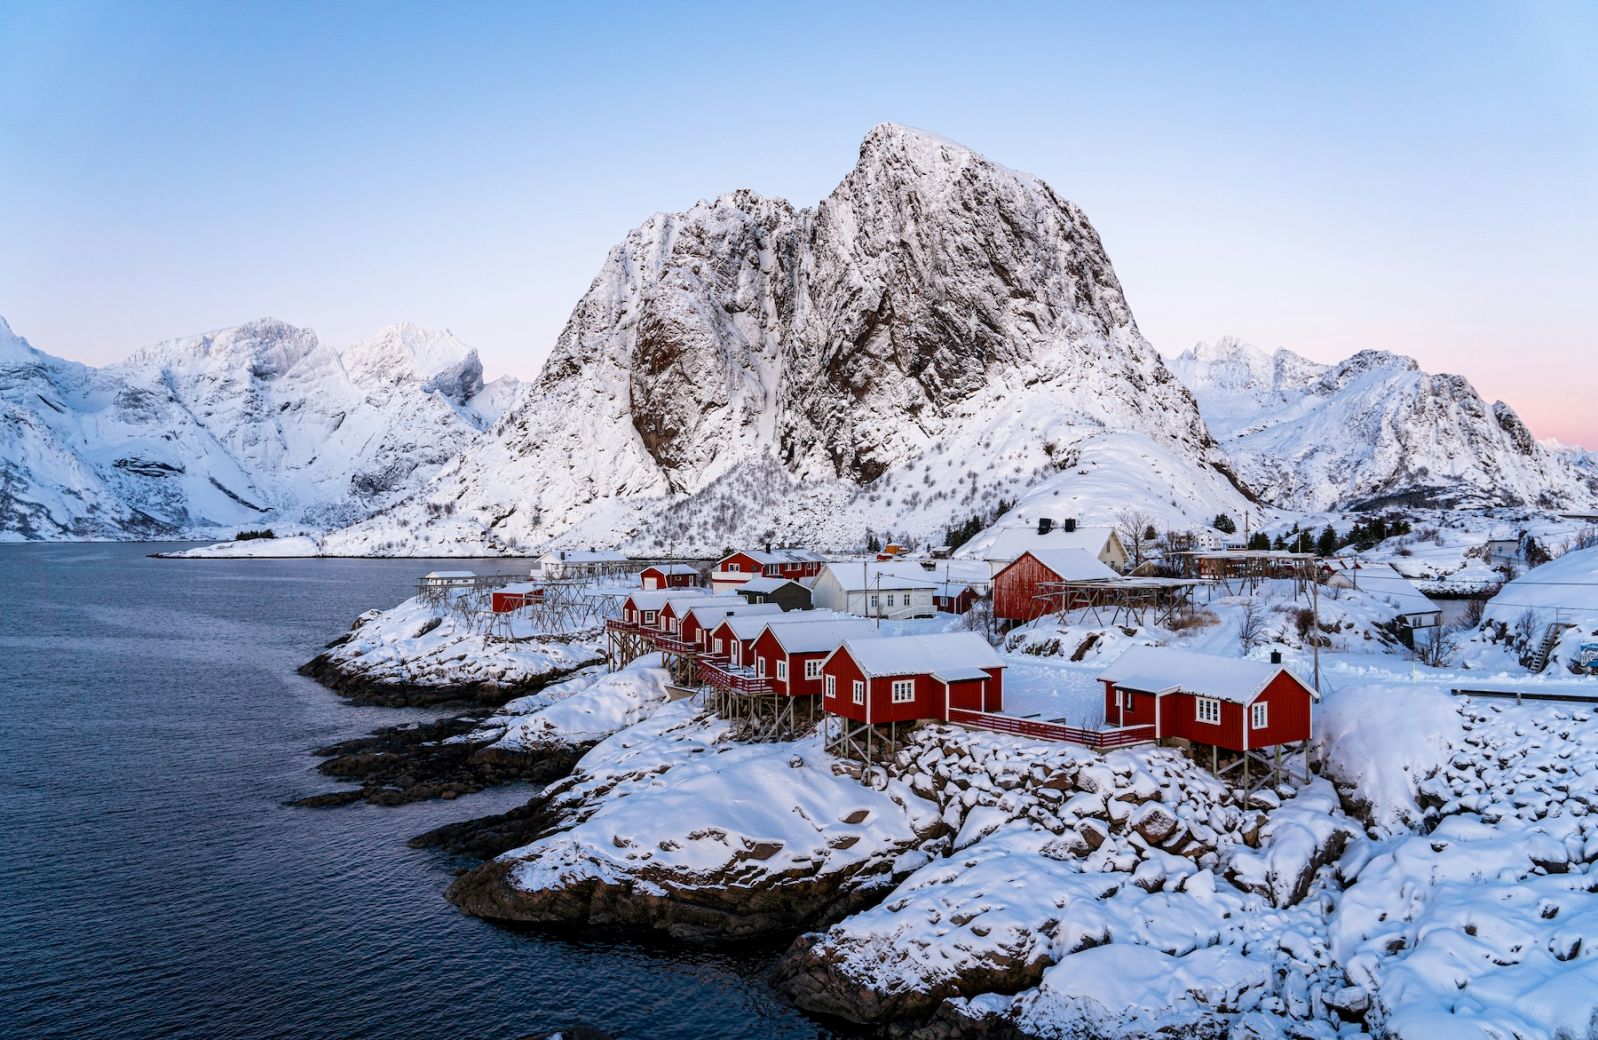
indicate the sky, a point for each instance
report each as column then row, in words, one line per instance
column 1420, row 178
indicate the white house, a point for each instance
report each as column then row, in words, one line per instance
column 1411, row 606
column 872, row 589
column 1011, row 542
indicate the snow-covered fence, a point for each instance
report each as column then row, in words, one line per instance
column 1097, row 739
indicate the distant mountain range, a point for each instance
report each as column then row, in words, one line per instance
column 939, row 334
column 245, row 427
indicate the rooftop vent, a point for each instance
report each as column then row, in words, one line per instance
column 1070, row 524
column 1045, row 525
column 1276, row 657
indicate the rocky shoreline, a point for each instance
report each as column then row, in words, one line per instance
column 361, row 688
column 418, row 761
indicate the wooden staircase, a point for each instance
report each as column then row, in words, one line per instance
column 1545, row 650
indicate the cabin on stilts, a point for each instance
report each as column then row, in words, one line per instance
column 875, row 690
column 1250, row 720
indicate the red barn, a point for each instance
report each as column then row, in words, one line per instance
column 952, row 597
column 905, row 678
column 669, row 576
column 790, row 656
column 736, row 568
column 1225, row 702
column 1022, row 589
column 515, row 596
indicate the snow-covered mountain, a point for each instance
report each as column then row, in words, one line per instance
column 938, row 333
column 247, row 426
column 1372, row 430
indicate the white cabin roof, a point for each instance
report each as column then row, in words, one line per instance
column 765, row 584
column 824, row 637
column 673, row 568
column 1011, row 542
column 747, row 626
column 450, row 574
column 1160, row 669
column 1072, row 564
column 520, row 587
column 710, row 615
column 949, row 656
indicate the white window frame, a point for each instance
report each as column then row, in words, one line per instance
column 832, row 687
column 813, row 668
column 1207, row 710
column 649, row 617
column 872, row 601
column 904, row 691
column 1126, row 700
column 760, row 667
column 1259, row 715
column 782, row 670
column 734, row 568
column 859, row 692
column 737, row 653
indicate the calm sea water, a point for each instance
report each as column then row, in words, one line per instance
column 153, row 884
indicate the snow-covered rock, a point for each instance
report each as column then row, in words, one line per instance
column 1372, row 430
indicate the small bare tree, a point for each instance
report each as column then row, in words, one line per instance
column 1251, row 626
column 1475, row 609
column 1435, row 647
column 1134, row 526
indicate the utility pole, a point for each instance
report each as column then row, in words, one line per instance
column 1315, row 638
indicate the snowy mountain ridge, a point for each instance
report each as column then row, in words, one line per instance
column 245, row 426
column 1372, row 430
column 936, row 334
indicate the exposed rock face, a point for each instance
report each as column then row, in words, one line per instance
column 933, row 310
column 244, row 427
column 1372, row 430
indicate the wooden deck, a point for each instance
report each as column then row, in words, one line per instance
column 1097, row 739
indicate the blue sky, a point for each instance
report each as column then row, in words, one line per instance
column 1416, row 177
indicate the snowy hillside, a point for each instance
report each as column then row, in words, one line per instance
column 245, row 427
column 1372, row 430
column 939, row 332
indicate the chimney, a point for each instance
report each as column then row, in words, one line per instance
column 1070, row 524
column 1276, row 657
column 768, row 547
column 1045, row 525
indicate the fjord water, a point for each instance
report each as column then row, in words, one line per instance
column 153, row 883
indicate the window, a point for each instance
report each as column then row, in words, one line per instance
column 1257, row 715
column 890, row 599
column 859, row 692
column 649, row 617
column 737, row 652
column 735, row 567
column 813, row 669
column 782, row 670
column 1126, row 699
column 873, row 601
column 1208, row 709
column 832, row 687
column 760, row 667
column 904, row 691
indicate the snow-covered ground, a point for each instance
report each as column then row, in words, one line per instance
column 422, row 643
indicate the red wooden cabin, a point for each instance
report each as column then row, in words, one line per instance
column 669, row 576
column 515, row 596
column 680, row 601
column 905, row 678
column 736, row 568
column 702, row 619
column 1022, row 590
column 952, row 597
column 789, row 657
column 642, row 608
column 734, row 636
column 1224, row 702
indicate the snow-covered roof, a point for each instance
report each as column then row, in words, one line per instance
column 1384, row 581
column 764, row 584
column 825, row 636
column 746, row 626
column 520, row 587
column 791, row 555
column 1072, row 564
column 673, row 568
column 450, row 574
column 870, row 576
column 1160, row 669
column 949, row 656
column 654, row 599
column 683, row 600
column 1013, row 541
column 709, row 615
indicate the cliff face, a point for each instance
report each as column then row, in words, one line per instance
column 1371, row 430
column 936, row 315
